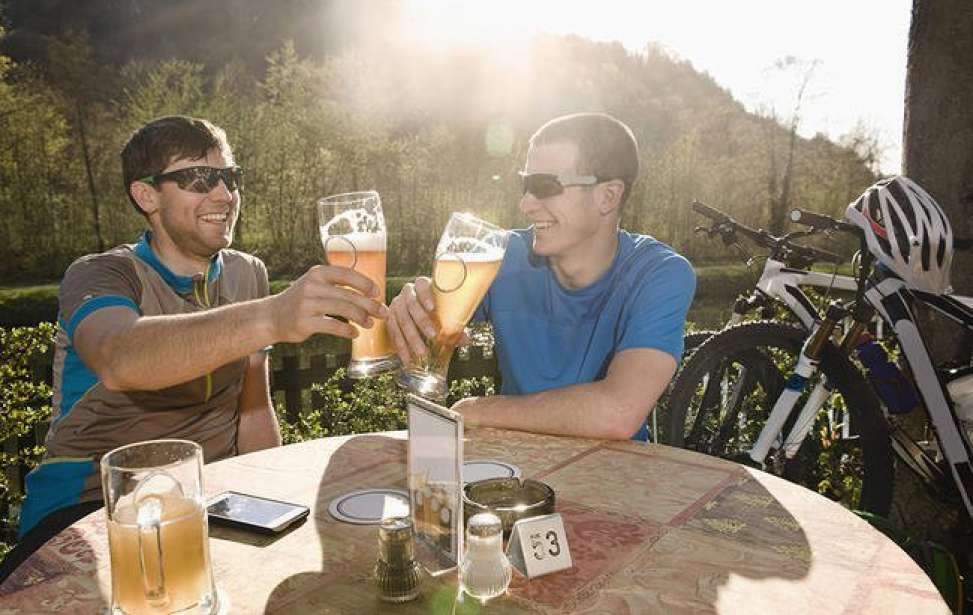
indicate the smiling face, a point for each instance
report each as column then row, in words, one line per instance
column 566, row 223
column 188, row 228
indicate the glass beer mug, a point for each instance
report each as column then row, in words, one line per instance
column 468, row 257
column 353, row 234
column 158, row 535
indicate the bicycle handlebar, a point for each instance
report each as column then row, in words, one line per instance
column 713, row 214
column 821, row 222
column 764, row 239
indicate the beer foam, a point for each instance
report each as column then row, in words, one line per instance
column 362, row 242
column 494, row 255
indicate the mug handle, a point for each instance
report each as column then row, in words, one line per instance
column 151, row 561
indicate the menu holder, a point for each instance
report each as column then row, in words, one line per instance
column 435, row 460
column 539, row 546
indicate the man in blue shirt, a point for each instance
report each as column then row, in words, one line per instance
column 588, row 318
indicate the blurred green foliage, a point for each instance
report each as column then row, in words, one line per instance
column 25, row 398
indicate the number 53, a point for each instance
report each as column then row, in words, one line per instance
column 548, row 545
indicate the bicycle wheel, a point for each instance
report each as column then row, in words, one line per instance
column 691, row 341
column 720, row 400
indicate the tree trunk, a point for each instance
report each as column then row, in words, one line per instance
column 92, row 190
column 938, row 137
column 938, row 154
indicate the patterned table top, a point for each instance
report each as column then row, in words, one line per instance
column 652, row 529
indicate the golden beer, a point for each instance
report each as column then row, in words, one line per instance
column 372, row 343
column 468, row 257
column 175, row 549
column 353, row 234
column 460, row 283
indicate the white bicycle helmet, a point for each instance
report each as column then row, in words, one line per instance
column 907, row 231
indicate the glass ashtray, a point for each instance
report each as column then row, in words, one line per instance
column 511, row 499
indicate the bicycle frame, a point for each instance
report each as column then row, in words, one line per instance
column 784, row 283
column 891, row 298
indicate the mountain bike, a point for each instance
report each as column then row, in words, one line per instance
column 783, row 269
column 772, row 364
column 756, row 357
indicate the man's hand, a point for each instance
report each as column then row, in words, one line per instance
column 411, row 320
column 309, row 305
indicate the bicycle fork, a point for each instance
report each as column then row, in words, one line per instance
column 807, row 365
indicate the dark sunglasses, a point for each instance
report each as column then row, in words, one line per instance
column 200, row 179
column 546, row 185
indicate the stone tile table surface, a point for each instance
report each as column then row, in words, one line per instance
column 652, row 529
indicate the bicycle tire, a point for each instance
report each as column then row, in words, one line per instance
column 764, row 348
column 691, row 341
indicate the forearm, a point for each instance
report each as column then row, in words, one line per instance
column 161, row 351
column 584, row 410
column 258, row 429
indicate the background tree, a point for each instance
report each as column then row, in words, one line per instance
column 938, row 134
column 938, row 154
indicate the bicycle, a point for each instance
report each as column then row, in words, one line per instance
column 731, row 426
column 747, row 377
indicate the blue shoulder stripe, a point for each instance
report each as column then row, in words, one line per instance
column 76, row 380
column 93, row 305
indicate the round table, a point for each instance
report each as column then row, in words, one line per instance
column 652, row 529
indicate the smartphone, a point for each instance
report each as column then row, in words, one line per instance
column 250, row 512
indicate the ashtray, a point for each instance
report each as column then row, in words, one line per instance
column 511, row 499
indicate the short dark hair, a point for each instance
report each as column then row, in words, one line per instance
column 156, row 145
column 606, row 147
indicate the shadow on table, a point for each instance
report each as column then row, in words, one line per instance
column 691, row 549
column 344, row 582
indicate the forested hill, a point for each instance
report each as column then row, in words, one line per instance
column 321, row 97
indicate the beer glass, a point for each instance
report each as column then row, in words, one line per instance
column 353, row 234
column 468, row 257
column 158, row 537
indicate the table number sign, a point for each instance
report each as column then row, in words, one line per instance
column 435, row 460
column 539, row 546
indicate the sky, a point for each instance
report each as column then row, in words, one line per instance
column 857, row 47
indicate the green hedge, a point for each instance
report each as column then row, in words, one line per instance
column 28, row 305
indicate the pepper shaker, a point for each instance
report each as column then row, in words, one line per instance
column 396, row 571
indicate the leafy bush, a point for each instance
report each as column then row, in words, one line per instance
column 374, row 404
column 26, row 401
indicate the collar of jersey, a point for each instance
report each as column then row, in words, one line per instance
column 182, row 284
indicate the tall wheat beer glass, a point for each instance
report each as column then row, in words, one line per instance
column 468, row 257
column 158, row 537
column 353, row 234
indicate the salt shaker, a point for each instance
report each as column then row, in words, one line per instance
column 396, row 571
column 485, row 570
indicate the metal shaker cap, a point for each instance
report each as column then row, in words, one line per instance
column 485, row 525
column 395, row 540
column 395, row 529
